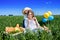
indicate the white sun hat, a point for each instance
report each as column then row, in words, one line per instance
column 27, row 8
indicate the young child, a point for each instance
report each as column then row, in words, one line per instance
column 32, row 23
column 25, row 12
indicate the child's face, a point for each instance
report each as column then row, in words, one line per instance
column 30, row 16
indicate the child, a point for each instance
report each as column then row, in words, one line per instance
column 25, row 12
column 32, row 23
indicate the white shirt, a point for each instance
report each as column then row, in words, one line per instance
column 32, row 24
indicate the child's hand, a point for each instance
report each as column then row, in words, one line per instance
column 34, row 18
column 46, row 28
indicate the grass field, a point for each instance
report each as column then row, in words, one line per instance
column 53, row 25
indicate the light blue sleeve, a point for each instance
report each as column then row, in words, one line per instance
column 25, row 16
column 26, row 23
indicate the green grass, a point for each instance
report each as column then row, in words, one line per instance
column 53, row 25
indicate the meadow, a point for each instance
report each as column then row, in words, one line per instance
column 53, row 25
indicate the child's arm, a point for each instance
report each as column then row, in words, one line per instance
column 37, row 24
column 26, row 23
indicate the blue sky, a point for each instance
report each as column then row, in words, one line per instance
column 38, row 6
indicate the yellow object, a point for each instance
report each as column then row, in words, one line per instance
column 14, row 29
column 50, row 13
column 46, row 15
column 20, row 29
column 17, row 29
